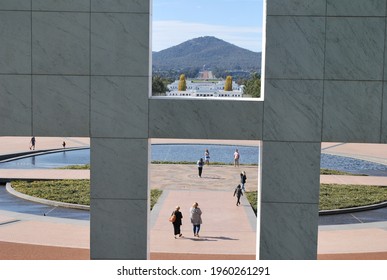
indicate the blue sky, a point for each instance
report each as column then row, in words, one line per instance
column 235, row 21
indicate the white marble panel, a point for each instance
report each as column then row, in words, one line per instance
column 356, row 7
column 60, row 43
column 205, row 119
column 61, row 5
column 293, row 110
column 295, row 47
column 288, row 231
column 120, row 44
column 290, row 172
column 15, row 105
column 118, row 229
column 61, row 105
column 352, row 111
column 15, row 46
column 119, row 168
column 15, row 5
column 354, row 48
column 137, row 6
column 296, row 7
column 119, row 107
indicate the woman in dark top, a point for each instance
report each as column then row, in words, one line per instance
column 177, row 223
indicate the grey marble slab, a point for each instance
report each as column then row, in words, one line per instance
column 118, row 229
column 356, row 8
column 384, row 115
column 354, row 48
column 61, row 105
column 118, row 46
column 135, row 6
column 15, row 99
column 15, row 46
column 60, row 43
column 295, row 47
column 290, row 172
column 352, row 111
column 15, row 5
column 119, row 107
column 61, row 5
column 293, row 110
column 122, row 168
column 205, row 119
column 288, row 231
column 296, row 7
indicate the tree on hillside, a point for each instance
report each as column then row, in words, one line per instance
column 253, row 86
column 228, row 84
column 159, row 86
column 182, row 84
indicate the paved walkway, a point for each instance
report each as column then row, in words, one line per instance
column 230, row 234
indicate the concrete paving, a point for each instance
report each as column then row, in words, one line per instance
column 228, row 231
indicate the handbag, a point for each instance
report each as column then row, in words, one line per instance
column 172, row 218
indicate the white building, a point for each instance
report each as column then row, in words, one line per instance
column 198, row 88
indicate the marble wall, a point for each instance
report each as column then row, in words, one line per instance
column 324, row 81
column 81, row 68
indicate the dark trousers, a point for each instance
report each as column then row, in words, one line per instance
column 176, row 229
column 200, row 171
column 196, row 229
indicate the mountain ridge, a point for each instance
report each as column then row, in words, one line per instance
column 209, row 52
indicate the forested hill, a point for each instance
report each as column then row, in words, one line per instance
column 209, row 51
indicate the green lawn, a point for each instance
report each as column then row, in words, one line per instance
column 324, row 171
column 335, row 196
column 70, row 191
column 80, row 166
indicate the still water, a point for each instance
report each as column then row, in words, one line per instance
column 174, row 153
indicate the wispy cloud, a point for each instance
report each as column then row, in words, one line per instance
column 169, row 33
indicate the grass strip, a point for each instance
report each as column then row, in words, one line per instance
column 332, row 196
column 325, row 171
column 80, row 166
column 69, row 191
column 336, row 196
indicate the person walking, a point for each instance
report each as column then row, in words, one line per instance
column 64, row 145
column 200, row 164
column 238, row 192
column 243, row 180
column 196, row 218
column 177, row 222
column 236, row 158
column 32, row 142
column 207, row 157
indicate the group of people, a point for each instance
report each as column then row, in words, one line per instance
column 195, row 214
column 240, row 189
column 200, row 163
column 33, row 143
